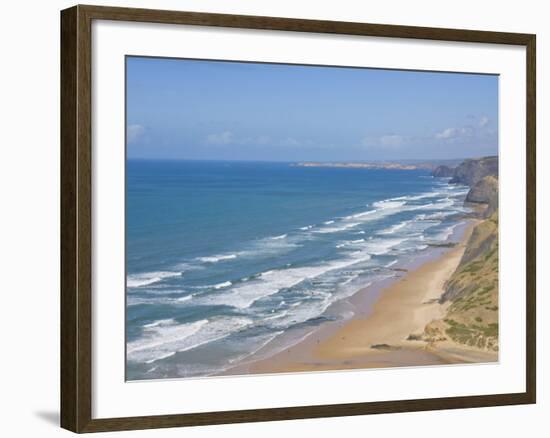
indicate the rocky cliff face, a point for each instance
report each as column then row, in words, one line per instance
column 481, row 174
column 443, row 172
column 473, row 170
column 485, row 191
column 470, row 171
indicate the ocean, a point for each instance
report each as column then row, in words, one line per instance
column 223, row 258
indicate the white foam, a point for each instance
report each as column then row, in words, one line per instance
column 147, row 278
column 133, row 300
column 328, row 222
column 446, row 233
column 388, row 204
column 382, row 246
column 159, row 322
column 439, row 205
column 350, row 243
column 308, row 227
column 275, row 316
column 169, row 354
column 383, row 209
column 298, row 314
column 387, row 208
column 272, row 281
column 393, row 206
column 222, row 285
column 282, row 236
column 395, row 227
column 437, row 215
column 362, row 214
column 424, row 196
column 217, row 258
column 341, row 227
column 163, row 341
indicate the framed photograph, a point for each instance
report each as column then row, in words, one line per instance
column 271, row 218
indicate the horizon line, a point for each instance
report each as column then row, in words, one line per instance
column 418, row 160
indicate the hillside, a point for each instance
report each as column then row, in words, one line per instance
column 471, row 294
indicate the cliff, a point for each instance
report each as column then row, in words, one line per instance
column 485, row 191
column 443, row 171
column 472, row 317
column 471, row 294
column 481, row 174
column 470, row 171
column 473, row 170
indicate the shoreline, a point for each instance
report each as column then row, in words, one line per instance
column 410, row 301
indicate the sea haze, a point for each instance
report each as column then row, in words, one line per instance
column 224, row 257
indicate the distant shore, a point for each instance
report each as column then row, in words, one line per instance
column 377, row 336
column 360, row 165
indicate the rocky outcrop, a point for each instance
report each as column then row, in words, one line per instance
column 472, row 171
column 485, row 191
column 443, row 172
column 481, row 174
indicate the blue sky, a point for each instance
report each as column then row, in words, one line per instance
column 187, row 109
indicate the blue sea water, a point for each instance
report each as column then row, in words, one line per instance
column 224, row 257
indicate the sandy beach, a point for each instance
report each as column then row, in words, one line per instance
column 377, row 336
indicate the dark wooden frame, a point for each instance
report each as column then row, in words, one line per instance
column 76, row 236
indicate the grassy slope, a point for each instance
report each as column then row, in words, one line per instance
column 472, row 317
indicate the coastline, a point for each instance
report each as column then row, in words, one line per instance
column 366, row 340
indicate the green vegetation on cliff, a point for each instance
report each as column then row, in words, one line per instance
column 472, row 291
column 472, row 317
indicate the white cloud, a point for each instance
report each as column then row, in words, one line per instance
column 447, row 133
column 478, row 128
column 455, row 133
column 225, row 137
column 392, row 140
column 484, row 121
column 134, row 133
